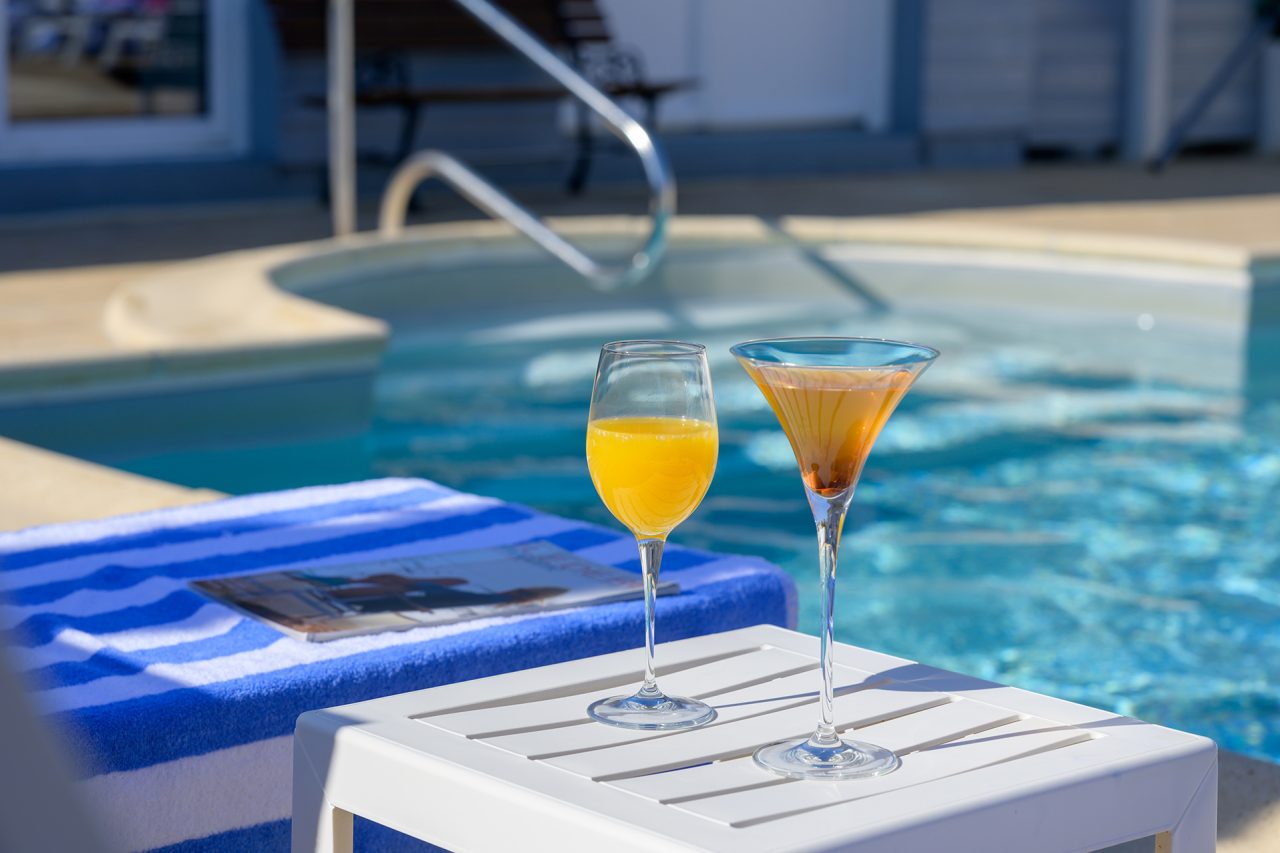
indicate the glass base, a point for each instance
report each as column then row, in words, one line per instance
column 656, row 711
column 848, row 759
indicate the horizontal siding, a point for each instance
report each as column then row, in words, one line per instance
column 978, row 56
column 1055, row 71
column 1204, row 34
column 1078, row 73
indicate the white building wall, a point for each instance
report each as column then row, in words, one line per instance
column 762, row 63
column 978, row 76
column 1078, row 85
column 1002, row 73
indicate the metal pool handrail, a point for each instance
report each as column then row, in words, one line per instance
column 490, row 199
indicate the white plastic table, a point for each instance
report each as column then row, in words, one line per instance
column 511, row 762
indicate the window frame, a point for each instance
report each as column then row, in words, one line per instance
column 222, row 131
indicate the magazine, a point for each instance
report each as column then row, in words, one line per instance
column 329, row 602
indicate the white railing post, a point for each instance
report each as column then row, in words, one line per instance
column 342, row 118
column 1148, row 87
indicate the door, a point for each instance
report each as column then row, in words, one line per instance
column 94, row 80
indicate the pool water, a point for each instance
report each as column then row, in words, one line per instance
column 1045, row 509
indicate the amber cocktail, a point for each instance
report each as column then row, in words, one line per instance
column 832, row 397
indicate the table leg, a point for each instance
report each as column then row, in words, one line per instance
column 329, row 832
column 340, row 825
column 1197, row 831
column 318, row 825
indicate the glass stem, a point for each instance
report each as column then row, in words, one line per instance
column 650, row 563
column 829, row 516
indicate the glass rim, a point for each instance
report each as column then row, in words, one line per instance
column 924, row 353
column 662, row 348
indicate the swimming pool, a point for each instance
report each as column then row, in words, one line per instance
column 1080, row 497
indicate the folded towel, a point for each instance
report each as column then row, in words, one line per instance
column 182, row 710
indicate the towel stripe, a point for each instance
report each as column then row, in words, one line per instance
column 370, row 520
column 245, row 635
column 236, row 514
column 71, row 646
column 115, row 577
column 150, row 572
column 42, row 628
column 261, row 792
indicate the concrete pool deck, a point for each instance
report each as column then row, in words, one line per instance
column 59, row 273
column 57, row 488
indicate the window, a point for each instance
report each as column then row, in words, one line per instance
column 115, row 79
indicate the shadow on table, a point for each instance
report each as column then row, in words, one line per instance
column 921, row 678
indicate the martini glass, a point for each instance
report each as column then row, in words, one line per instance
column 832, row 397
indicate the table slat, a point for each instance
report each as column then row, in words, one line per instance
column 699, row 681
column 993, row 746
column 904, row 734
column 742, row 736
column 774, row 695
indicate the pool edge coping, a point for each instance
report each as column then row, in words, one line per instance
column 232, row 314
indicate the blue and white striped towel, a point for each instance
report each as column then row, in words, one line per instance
column 182, row 710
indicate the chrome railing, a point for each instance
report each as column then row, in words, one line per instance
column 496, row 203
column 341, row 37
column 478, row 190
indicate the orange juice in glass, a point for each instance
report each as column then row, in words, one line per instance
column 651, row 449
column 651, row 472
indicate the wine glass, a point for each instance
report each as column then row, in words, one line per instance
column 832, row 397
column 651, row 448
